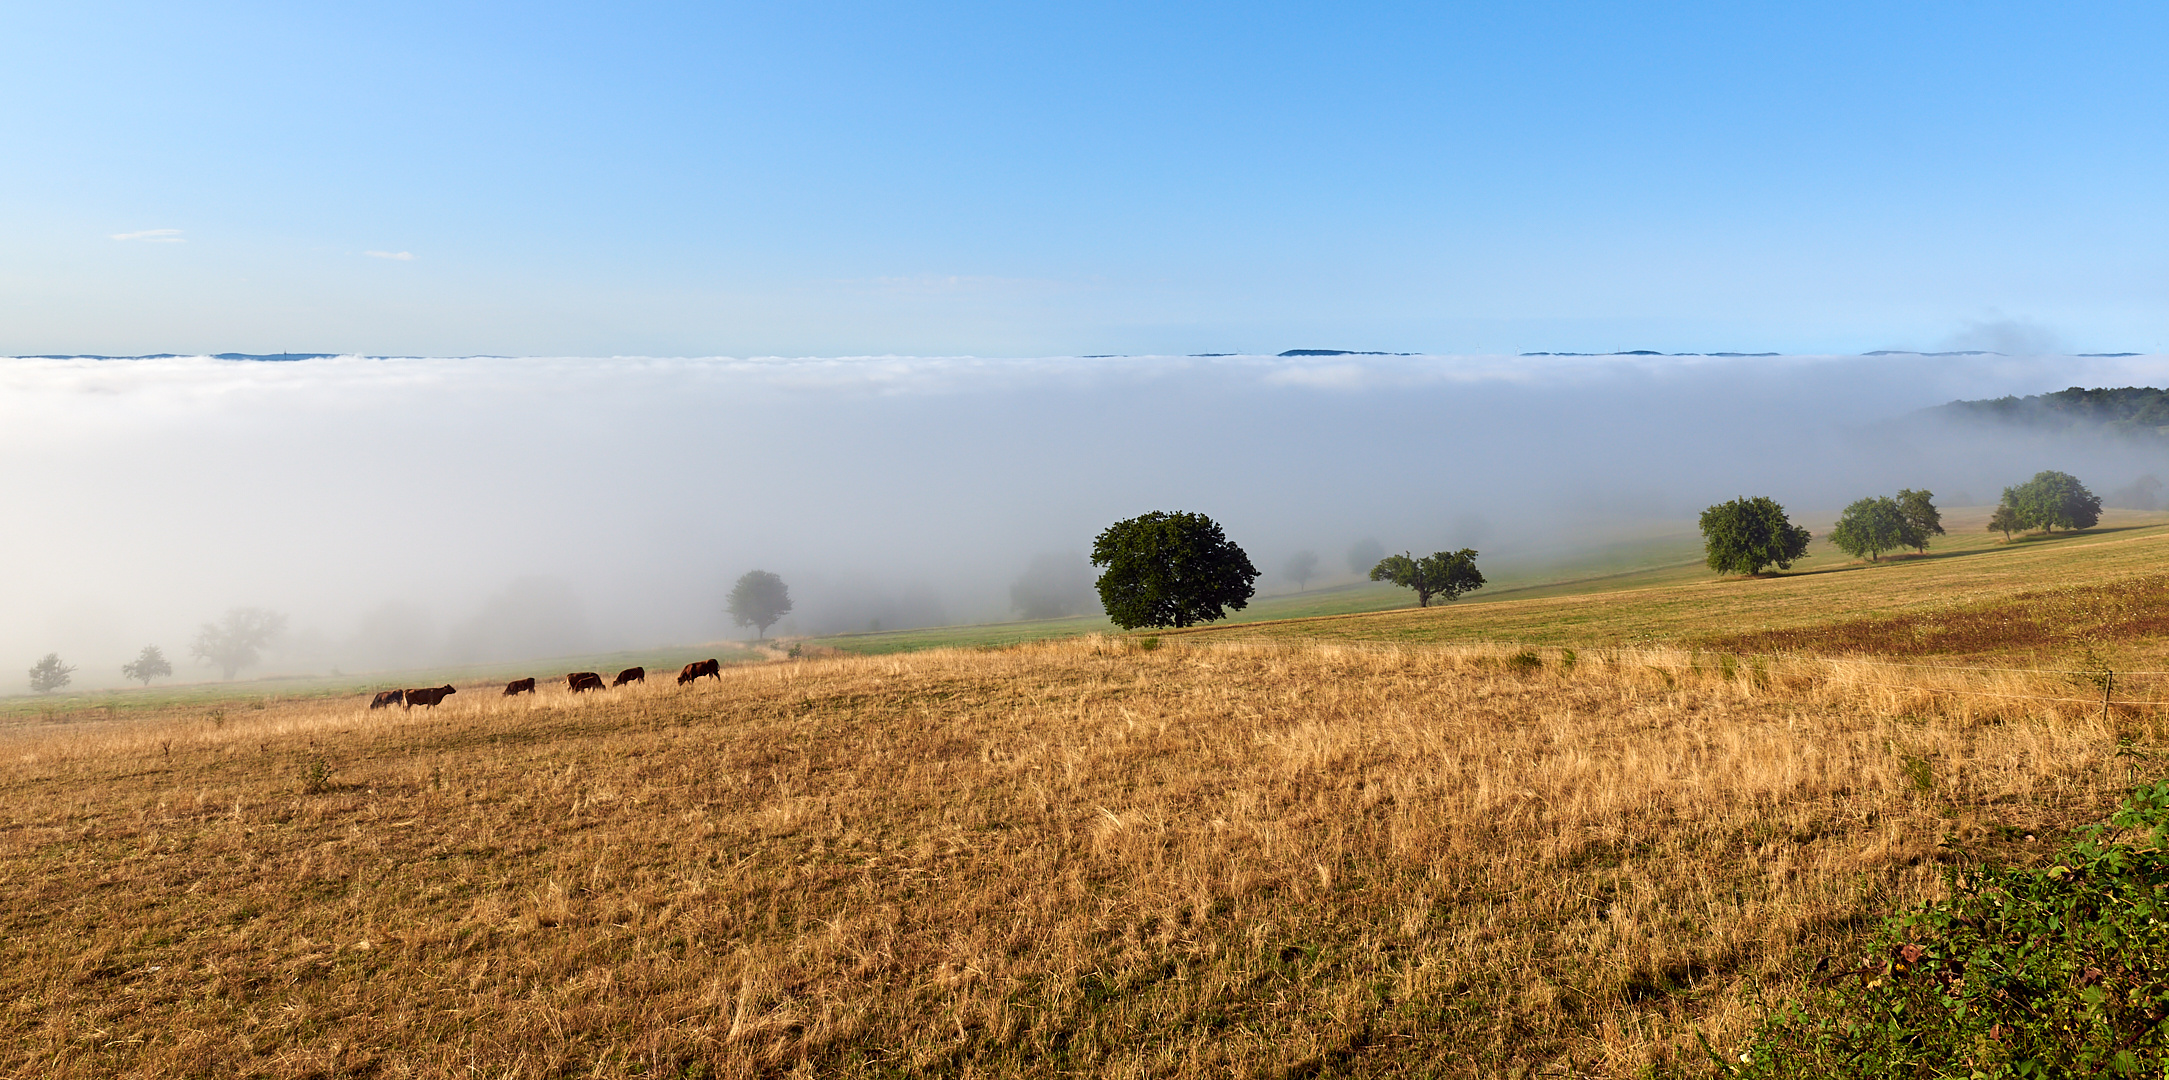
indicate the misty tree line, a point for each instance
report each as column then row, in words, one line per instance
column 1180, row 569
column 1746, row 536
column 234, row 642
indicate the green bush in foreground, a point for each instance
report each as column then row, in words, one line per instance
column 2045, row 972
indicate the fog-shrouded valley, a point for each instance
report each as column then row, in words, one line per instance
column 415, row 512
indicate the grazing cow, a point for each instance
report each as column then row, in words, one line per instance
column 631, row 674
column 520, row 686
column 429, row 696
column 388, row 697
column 583, row 680
column 711, row 668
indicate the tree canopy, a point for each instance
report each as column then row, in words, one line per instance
column 235, row 641
column 2005, row 520
column 1170, row 569
column 758, row 600
column 1922, row 519
column 2053, row 500
column 1872, row 526
column 49, row 674
column 1444, row 574
column 148, row 664
column 1745, row 535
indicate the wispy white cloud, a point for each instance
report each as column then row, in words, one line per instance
column 153, row 236
column 402, row 256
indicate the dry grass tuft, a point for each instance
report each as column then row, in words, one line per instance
column 1069, row 858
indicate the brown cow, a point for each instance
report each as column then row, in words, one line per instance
column 388, row 697
column 430, row 696
column 583, row 680
column 520, row 686
column 631, row 674
column 710, row 668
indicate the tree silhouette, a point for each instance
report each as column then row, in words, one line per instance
column 758, row 600
column 1302, row 566
column 149, row 664
column 49, row 674
column 234, row 642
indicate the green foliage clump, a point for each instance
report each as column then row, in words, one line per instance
column 1871, row 527
column 49, row 674
column 2051, row 500
column 1444, row 574
column 2024, row 972
column 1745, row 535
column 758, row 600
column 1168, row 569
column 1878, row 524
column 2006, row 521
column 1922, row 519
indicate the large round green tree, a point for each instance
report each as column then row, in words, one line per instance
column 2053, row 500
column 1170, row 570
column 1745, row 535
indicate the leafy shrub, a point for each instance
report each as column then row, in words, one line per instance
column 2023, row 972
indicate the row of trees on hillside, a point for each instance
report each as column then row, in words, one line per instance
column 1746, row 536
column 235, row 641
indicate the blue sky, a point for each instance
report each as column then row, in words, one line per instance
column 842, row 179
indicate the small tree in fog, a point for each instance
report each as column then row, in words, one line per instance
column 758, row 600
column 1444, row 574
column 1922, row 519
column 1364, row 554
column 1170, row 570
column 1053, row 586
column 148, row 664
column 236, row 641
column 1745, row 535
column 1302, row 566
column 49, row 674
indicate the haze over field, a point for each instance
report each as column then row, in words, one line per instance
column 409, row 511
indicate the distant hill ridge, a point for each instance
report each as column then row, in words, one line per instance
column 2124, row 410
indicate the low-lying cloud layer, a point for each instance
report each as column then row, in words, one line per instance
column 408, row 511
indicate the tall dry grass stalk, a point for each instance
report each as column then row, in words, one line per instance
column 1073, row 858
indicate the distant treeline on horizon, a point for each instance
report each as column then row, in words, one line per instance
column 2126, row 410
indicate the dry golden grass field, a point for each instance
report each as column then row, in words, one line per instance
column 1274, row 859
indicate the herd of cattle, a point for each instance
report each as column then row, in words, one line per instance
column 576, row 682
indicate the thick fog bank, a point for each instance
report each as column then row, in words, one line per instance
column 408, row 511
